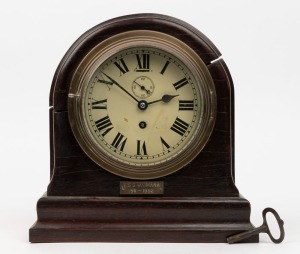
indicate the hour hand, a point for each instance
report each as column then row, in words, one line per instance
column 166, row 98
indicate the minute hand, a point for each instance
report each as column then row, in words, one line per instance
column 118, row 85
column 166, row 98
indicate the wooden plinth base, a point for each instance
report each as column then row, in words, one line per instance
column 139, row 219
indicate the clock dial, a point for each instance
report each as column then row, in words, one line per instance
column 145, row 110
column 153, row 116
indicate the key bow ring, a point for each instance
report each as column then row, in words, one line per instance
column 264, row 228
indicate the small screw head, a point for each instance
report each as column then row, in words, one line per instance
column 142, row 125
column 142, row 105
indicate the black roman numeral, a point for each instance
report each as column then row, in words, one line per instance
column 101, row 79
column 180, row 83
column 104, row 125
column 186, row 105
column 164, row 144
column 121, row 66
column 141, row 148
column 102, row 104
column 164, row 68
column 119, row 142
column 179, row 126
column 143, row 61
column 105, row 82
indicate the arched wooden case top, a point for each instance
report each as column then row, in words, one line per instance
column 199, row 203
column 211, row 173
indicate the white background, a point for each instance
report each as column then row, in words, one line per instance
column 260, row 43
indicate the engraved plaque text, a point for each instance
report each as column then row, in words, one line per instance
column 141, row 188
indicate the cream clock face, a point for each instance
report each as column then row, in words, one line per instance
column 142, row 106
column 143, row 111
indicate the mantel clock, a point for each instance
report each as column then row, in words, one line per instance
column 142, row 138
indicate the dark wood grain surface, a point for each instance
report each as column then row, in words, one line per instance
column 137, row 219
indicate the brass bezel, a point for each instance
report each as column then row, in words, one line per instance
column 106, row 49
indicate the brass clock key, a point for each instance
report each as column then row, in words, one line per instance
column 264, row 228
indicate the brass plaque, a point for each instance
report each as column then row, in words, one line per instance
column 141, row 188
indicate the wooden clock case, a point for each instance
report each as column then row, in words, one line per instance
column 83, row 203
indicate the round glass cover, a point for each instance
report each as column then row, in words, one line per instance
column 142, row 104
